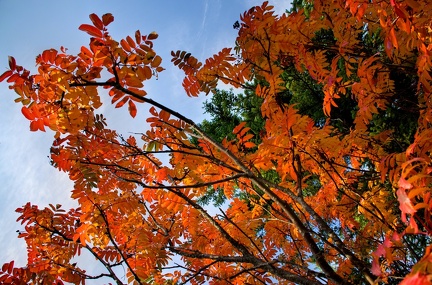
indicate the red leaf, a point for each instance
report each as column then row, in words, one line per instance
column 116, row 97
column 399, row 12
column 34, row 126
column 12, row 62
column 11, row 264
column 96, row 21
column 405, row 204
column 5, row 75
column 13, row 78
column 138, row 37
column 153, row 111
column 138, row 92
column 37, row 125
column 132, row 109
column 107, row 19
column 403, row 183
column 122, row 102
column 376, row 269
column 91, row 30
column 49, row 55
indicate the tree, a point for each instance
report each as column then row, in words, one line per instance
column 228, row 109
column 367, row 219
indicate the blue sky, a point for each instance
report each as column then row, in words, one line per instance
column 28, row 27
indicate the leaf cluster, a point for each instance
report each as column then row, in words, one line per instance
column 321, row 168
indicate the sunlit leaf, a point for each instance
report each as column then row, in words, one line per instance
column 91, row 30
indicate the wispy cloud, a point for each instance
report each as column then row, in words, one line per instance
column 204, row 18
column 280, row 6
column 26, row 176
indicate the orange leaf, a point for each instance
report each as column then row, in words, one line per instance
column 130, row 42
column 239, row 127
column 164, row 115
column 156, row 61
column 191, row 85
column 27, row 113
column 392, row 36
column 147, row 72
column 247, row 137
column 85, row 51
column 243, row 132
column 249, row 144
column 125, row 45
column 152, row 36
column 91, row 30
column 161, row 174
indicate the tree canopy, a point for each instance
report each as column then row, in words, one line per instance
column 330, row 184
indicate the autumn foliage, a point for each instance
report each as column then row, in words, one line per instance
column 140, row 212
